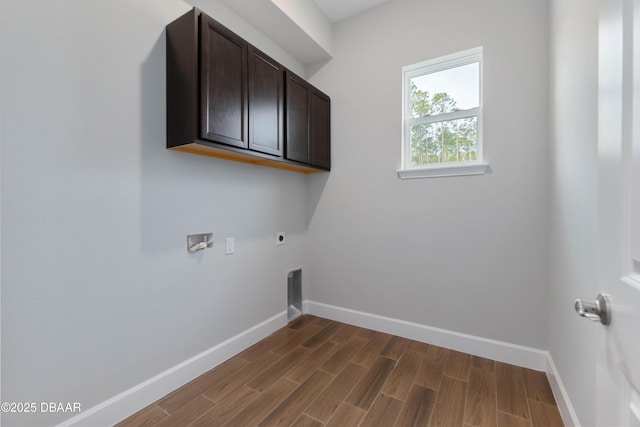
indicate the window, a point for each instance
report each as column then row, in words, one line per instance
column 442, row 116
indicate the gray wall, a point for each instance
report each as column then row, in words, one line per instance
column 98, row 291
column 574, row 186
column 468, row 254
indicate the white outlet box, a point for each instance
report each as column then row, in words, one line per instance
column 231, row 245
column 281, row 238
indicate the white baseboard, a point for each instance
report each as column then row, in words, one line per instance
column 132, row 400
column 492, row 349
column 569, row 416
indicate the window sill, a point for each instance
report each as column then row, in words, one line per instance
column 459, row 169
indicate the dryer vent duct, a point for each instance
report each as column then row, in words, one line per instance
column 294, row 294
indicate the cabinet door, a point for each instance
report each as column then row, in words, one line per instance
column 223, row 85
column 265, row 103
column 298, row 92
column 320, row 130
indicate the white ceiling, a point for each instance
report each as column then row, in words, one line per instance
column 337, row 10
column 278, row 20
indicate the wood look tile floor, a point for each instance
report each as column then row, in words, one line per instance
column 317, row 372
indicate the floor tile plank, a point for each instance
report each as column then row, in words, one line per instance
column 302, row 321
column 368, row 387
column 229, row 384
column 271, row 342
column 321, row 336
column 480, row 409
column 346, row 415
column 395, row 347
column 292, row 407
column 185, row 394
column 329, row 400
column 370, row 351
column 293, row 341
column 418, row 407
column 399, row 382
column 420, row 347
column 305, row 421
column 324, row 321
column 308, row 366
column 458, row 365
column 261, row 406
column 278, row 369
column 537, row 386
column 343, row 355
column 511, row 395
column 483, row 363
column 365, row 333
column 187, row 413
column 432, row 368
column 508, row 420
column 384, row 412
column 227, row 407
column 147, row 417
column 544, row 415
column 344, row 333
column 449, row 407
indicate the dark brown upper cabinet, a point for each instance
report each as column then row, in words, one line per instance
column 308, row 123
column 266, row 104
column 223, row 85
column 320, row 129
column 227, row 99
column 298, row 95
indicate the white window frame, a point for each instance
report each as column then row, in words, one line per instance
column 475, row 167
